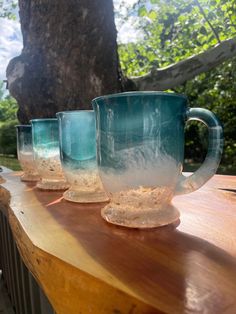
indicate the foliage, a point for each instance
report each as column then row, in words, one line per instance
column 7, row 8
column 8, row 120
column 10, row 162
column 174, row 30
column 216, row 91
column 8, row 109
column 1, row 90
column 8, row 138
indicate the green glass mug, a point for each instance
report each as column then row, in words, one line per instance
column 25, row 153
column 47, row 155
column 77, row 142
column 140, row 153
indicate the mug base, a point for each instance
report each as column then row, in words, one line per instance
column 77, row 196
column 30, row 177
column 52, row 185
column 140, row 218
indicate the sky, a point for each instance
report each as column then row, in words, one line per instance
column 10, row 43
column 11, row 38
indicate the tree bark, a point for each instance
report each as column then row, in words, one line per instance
column 69, row 56
column 176, row 74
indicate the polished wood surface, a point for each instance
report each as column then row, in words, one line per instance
column 86, row 265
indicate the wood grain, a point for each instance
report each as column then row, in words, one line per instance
column 85, row 265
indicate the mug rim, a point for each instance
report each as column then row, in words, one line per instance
column 43, row 120
column 23, row 126
column 137, row 93
column 74, row 111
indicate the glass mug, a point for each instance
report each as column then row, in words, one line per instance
column 77, row 140
column 25, row 153
column 46, row 154
column 140, row 152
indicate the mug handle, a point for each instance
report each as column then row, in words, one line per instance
column 214, row 152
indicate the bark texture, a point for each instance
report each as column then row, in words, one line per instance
column 69, row 56
column 177, row 74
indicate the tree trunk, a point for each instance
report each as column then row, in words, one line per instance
column 69, row 56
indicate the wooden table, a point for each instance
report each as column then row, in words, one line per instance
column 85, row 265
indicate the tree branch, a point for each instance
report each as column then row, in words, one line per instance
column 208, row 22
column 178, row 73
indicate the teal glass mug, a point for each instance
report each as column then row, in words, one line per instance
column 45, row 138
column 140, row 153
column 77, row 142
column 25, row 153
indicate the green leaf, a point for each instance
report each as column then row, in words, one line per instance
column 142, row 11
column 152, row 15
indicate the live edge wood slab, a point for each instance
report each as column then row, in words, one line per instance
column 85, row 265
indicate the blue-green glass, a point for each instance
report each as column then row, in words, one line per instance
column 143, row 132
column 140, row 152
column 25, row 153
column 24, row 138
column 77, row 139
column 45, row 137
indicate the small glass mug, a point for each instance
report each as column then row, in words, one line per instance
column 46, row 154
column 25, row 153
column 140, row 152
column 77, row 139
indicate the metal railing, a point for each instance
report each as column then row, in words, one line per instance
column 24, row 292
